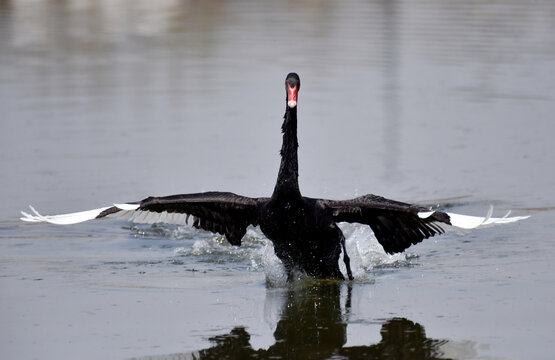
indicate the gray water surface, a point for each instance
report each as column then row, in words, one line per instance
column 434, row 102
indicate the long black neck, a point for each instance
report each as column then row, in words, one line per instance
column 287, row 185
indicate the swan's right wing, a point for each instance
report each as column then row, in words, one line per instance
column 220, row 212
column 398, row 225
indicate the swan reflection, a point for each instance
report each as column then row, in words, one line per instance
column 313, row 325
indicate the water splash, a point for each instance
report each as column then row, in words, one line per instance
column 366, row 253
column 257, row 253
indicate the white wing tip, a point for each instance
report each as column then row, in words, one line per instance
column 468, row 222
column 425, row 214
column 62, row 219
column 130, row 207
column 30, row 218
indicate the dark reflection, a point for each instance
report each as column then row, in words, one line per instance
column 401, row 339
column 313, row 325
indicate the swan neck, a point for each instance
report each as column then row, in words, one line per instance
column 288, row 176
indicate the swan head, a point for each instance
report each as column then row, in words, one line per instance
column 292, row 86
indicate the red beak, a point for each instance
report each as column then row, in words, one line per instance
column 291, row 96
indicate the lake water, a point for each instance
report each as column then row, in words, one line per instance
column 440, row 103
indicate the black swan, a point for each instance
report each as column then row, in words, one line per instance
column 303, row 230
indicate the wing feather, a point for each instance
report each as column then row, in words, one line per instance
column 220, row 212
column 398, row 225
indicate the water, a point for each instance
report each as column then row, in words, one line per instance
column 426, row 101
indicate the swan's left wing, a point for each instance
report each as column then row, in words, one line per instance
column 398, row 225
column 220, row 212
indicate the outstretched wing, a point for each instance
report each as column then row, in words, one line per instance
column 398, row 225
column 220, row 212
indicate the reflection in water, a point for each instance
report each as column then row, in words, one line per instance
column 313, row 325
column 401, row 339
